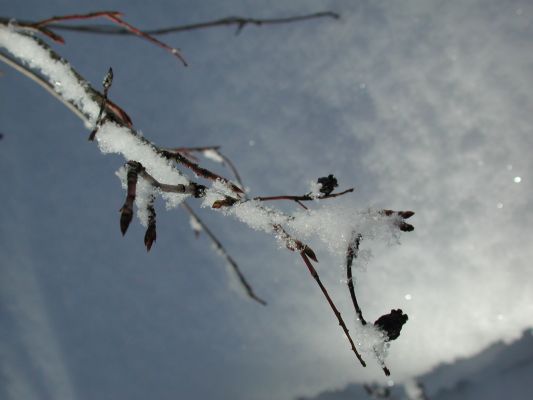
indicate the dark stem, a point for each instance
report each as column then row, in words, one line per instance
column 240, row 22
column 305, row 197
column 351, row 254
column 247, row 287
column 204, row 173
column 314, row 274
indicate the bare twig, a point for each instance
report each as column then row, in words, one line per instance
column 194, row 189
column 314, row 274
column 247, row 287
column 203, row 172
column 240, row 22
column 113, row 16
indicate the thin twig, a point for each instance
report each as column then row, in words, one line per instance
column 115, row 17
column 305, row 197
column 351, row 254
column 192, row 188
column 314, row 274
column 240, row 22
column 200, row 171
column 247, row 287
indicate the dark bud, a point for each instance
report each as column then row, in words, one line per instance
column 405, row 227
column 108, row 79
column 329, row 183
column 392, row 323
column 227, row 202
column 406, row 214
column 93, row 134
column 310, row 253
column 150, row 236
column 198, row 190
column 125, row 219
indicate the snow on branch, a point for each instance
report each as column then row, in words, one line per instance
column 150, row 171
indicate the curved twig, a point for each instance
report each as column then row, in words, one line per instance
column 244, row 283
column 351, row 254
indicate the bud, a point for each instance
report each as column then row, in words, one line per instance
column 329, row 183
column 391, row 324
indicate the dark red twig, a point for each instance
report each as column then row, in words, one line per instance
column 244, row 283
column 314, row 274
column 240, row 22
column 204, row 173
column 115, row 17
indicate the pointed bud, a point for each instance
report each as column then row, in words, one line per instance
column 150, row 236
column 125, row 218
column 405, row 227
column 310, row 253
column 108, row 79
column 406, row 214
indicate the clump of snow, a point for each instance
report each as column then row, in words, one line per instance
column 314, row 189
column 219, row 190
column 195, row 225
column 113, row 138
column 334, row 224
column 213, row 155
column 58, row 72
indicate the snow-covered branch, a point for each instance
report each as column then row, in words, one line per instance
column 151, row 171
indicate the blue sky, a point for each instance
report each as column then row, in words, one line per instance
column 424, row 105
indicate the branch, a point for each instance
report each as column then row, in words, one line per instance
column 113, row 16
column 240, row 22
column 305, row 197
column 314, row 274
column 247, row 287
column 204, row 173
column 351, row 254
